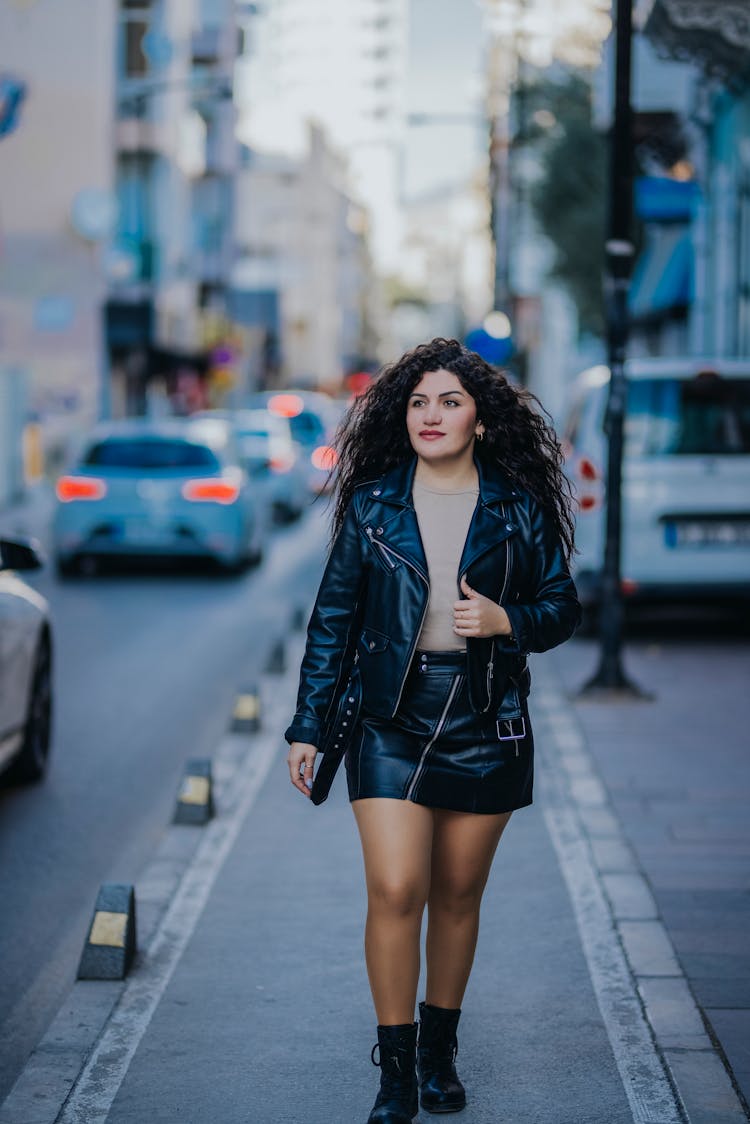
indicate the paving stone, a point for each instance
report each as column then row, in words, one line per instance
column 600, row 822
column 727, row 991
column 630, row 896
column 673, row 1014
column 705, row 1087
column 733, row 1030
column 612, row 855
column 648, row 948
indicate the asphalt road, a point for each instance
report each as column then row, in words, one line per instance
column 147, row 667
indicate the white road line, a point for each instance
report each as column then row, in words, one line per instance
column 650, row 1094
column 99, row 1081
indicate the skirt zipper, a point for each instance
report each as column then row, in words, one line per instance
column 441, row 722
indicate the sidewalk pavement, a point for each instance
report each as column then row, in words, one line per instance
column 249, row 1003
column 677, row 775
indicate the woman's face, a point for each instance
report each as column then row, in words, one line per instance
column 441, row 418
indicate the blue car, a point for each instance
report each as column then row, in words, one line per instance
column 153, row 488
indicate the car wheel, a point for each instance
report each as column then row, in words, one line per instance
column 31, row 762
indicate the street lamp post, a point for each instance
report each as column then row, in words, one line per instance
column 610, row 675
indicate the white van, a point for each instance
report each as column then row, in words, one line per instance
column 685, row 485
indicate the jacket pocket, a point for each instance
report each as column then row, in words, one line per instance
column 372, row 642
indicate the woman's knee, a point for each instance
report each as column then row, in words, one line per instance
column 456, row 899
column 396, row 897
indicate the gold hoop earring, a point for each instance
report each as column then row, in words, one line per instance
column 480, row 436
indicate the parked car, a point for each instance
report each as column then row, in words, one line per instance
column 313, row 418
column 271, row 456
column 686, row 479
column 172, row 487
column 25, row 665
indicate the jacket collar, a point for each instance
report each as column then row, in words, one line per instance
column 395, row 485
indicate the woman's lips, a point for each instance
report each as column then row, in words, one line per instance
column 430, row 434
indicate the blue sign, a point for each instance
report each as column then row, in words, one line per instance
column 12, row 93
column 157, row 48
column 493, row 350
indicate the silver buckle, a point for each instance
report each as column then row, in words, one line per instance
column 516, row 726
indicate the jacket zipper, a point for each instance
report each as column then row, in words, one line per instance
column 491, row 665
column 387, row 550
column 383, row 549
column 441, row 722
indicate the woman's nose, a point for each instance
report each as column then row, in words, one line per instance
column 434, row 414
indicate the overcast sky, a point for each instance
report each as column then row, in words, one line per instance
column 445, row 76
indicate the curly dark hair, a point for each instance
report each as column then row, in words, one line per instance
column 373, row 438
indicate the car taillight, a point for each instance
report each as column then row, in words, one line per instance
column 70, row 488
column 587, row 469
column 281, row 463
column 325, row 457
column 210, row 491
column 286, row 405
column 590, row 495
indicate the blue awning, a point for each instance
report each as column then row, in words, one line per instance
column 661, row 199
column 662, row 280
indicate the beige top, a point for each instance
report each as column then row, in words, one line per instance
column 444, row 519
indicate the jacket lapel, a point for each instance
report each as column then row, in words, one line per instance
column 398, row 524
column 490, row 525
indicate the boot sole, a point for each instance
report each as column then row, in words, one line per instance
column 444, row 1109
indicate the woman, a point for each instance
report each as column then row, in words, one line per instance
column 452, row 532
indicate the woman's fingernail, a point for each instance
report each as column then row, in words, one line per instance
column 308, row 782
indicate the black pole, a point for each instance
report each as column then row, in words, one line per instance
column 618, row 265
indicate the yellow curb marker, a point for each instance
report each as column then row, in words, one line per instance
column 246, row 707
column 195, row 790
column 108, row 929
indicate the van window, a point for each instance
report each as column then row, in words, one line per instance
column 707, row 415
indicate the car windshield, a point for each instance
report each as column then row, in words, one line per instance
column 149, row 452
column 706, row 415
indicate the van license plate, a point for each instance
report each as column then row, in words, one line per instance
column 714, row 532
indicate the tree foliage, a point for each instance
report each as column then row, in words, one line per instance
column 569, row 198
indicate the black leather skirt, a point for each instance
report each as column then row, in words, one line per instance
column 436, row 751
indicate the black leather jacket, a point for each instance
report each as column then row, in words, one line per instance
column 373, row 598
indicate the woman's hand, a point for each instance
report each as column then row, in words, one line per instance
column 478, row 615
column 301, row 753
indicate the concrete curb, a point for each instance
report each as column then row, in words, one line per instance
column 702, row 1083
column 50, row 1077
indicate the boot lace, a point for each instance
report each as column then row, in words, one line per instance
column 394, row 1058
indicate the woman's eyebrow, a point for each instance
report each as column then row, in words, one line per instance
column 443, row 394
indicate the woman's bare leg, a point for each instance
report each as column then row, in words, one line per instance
column 396, row 843
column 463, row 847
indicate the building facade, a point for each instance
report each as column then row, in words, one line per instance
column 304, row 286
column 117, row 208
column 342, row 65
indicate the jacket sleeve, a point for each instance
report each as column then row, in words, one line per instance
column 554, row 612
column 330, row 635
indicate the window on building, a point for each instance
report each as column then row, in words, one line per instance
column 135, row 21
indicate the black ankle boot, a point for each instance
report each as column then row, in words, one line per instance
column 440, row 1089
column 397, row 1102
